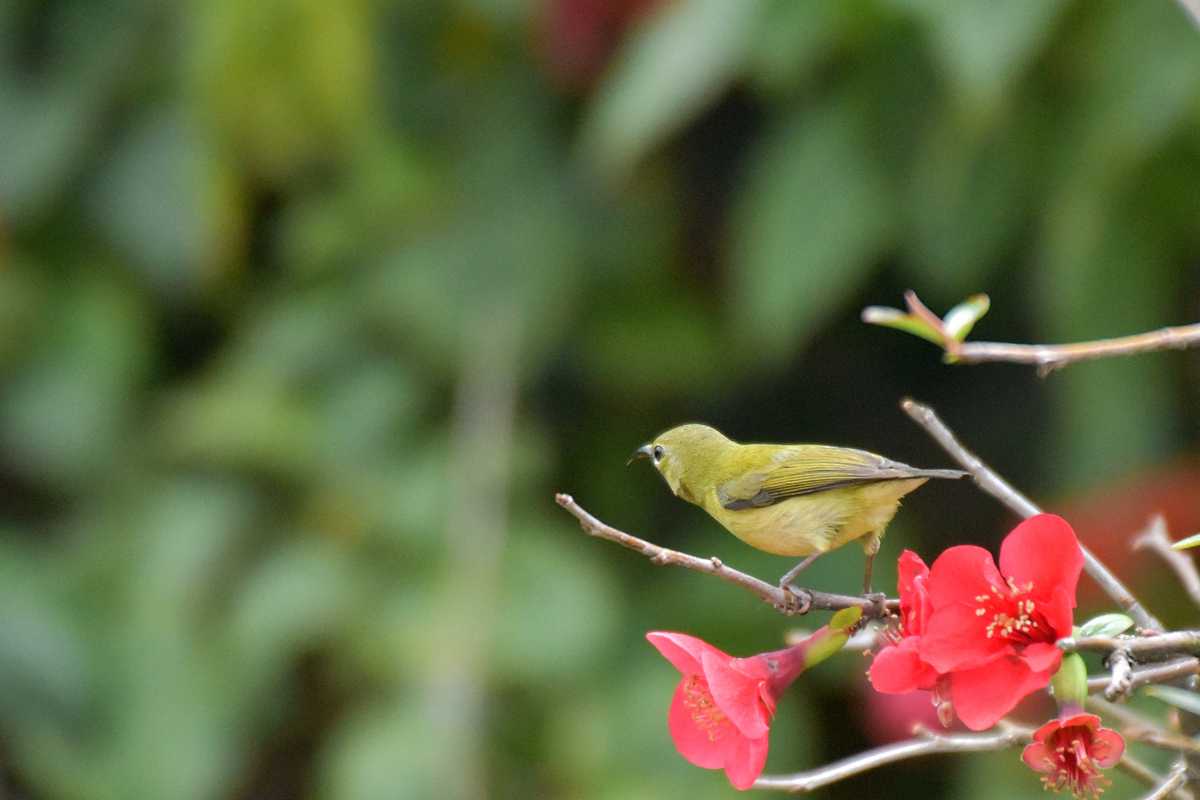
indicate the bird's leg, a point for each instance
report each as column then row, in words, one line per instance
column 786, row 581
column 870, row 545
column 879, row 599
column 867, row 574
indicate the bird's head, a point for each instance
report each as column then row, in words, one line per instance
column 686, row 456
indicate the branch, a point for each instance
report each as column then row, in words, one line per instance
column 949, row 333
column 1139, row 771
column 1050, row 357
column 1155, row 539
column 1174, row 781
column 926, row 744
column 1136, row 728
column 1156, row 647
column 785, row 601
column 1193, row 9
column 1160, row 673
column 996, row 486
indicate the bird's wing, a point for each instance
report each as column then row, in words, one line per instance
column 808, row 470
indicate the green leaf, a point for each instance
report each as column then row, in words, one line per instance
column 1106, row 625
column 302, row 592
column 901, row 320
column 671, row 68
column 846, row 618
column 984, row 45
column 553, row 609
column 967, row 197
column 959, row 321
column 167, row 202
column 791, row 39
column 1180, row 698
column 62, row 418
column 1190, row 541
column 815, row 215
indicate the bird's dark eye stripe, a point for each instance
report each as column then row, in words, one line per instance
column 658, row 452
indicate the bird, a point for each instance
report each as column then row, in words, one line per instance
column 787, row 499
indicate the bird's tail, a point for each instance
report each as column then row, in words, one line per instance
column 939, row 473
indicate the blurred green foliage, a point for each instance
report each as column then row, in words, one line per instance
column 307, row 308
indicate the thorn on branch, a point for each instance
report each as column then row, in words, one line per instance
column 1121, row 683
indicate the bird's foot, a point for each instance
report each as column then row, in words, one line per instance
column 796, row 600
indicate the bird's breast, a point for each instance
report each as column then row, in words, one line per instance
column 815, row 523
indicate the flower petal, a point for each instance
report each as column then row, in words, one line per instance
column 913, row 586
column 1041, row 657
column 1058, row 610
column 702, row 739
column 899, row 668
column 682, row 650
column 745, row 760
column 1107, row 747
column 956, row 638
column 961, row 574
column 1044, row 552
column 736, row 694
column 985, row 694
column 1038, row 756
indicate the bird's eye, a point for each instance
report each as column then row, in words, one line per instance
column 658, row 452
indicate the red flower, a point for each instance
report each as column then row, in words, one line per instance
column 721, row 712
column 1072, row 749
column 993, row 631
column 979, row 635
column 899, row 667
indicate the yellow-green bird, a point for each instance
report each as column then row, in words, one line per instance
column 787, row 499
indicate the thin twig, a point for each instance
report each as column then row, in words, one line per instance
column 1193, row 9
column 1160, row 673
column 1156, row 540
column 1174, row 780
column 927, row 744
column 786, row 602
column 1050, row 357
column 996, row 486
column 1141, row 772
column 1140, row 728
column 1157, row 647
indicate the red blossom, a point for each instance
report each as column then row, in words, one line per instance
column 981, row 635
column 993, row 630
column 721, row 714
column 1072, row 749
column 899, row 667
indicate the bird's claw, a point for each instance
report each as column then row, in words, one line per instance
column 796, row 600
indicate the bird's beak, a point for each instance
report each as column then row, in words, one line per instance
column 641, row 452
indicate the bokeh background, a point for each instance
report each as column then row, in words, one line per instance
column 307, row 309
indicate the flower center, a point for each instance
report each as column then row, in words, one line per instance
column 705, row 713
column 1074, row 765
column 1013, row 615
